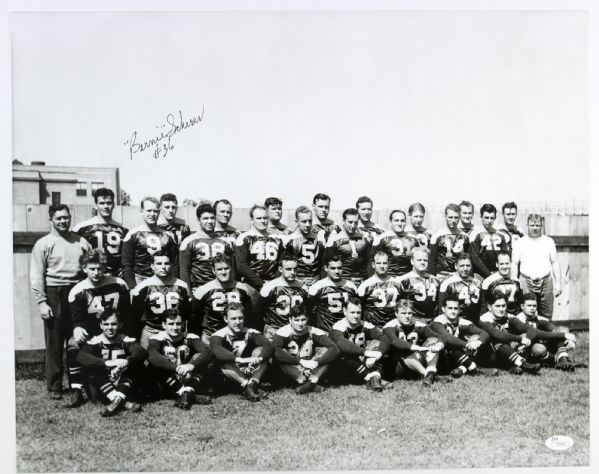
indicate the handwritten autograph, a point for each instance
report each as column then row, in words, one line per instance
column 162, row 143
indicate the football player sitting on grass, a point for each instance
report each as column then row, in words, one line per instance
column 414, row 345
column 361, row 344
column 552, row 345
column 113, row 362
column 303, row 352
column 507, row 333
column 242, row 354
column 179, row 361
column 462, row 339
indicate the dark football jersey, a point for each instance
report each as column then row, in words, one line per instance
column 328, row 227
column 300, row 345
column 328, row 299
column 151, row 298
column 87, row 302
column 461, row 328
column 511, row 235
column 469, row 293
column 99, row 349
column 370, row 230
column 504, row 286
column 229, row 234
column 379, row 299
column 538, row 322
column 166, row 353
column 485, row 246
column 422, row 291
column 106, row 236
column 399, row 249
column 445, row 248
column 509, row 323
column 353, row 252
column 416, row 333
column 423, row 236
column 196, row 255
column 210, row 302
column 178, row 229
column 309, row 252
column 358, row 335
column 258, row 257
column 277, row 297
column 241, row 344
column 138, row 247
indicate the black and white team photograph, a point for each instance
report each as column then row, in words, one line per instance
column 247, row 239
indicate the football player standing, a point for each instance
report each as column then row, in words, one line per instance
column 168, row 219
column 365, row 225
column 321, row 205
column 397, row 243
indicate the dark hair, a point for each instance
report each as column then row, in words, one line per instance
column 350, row 212
column 233, row 306
column 380, row 253
column 353, row 300
column 149, row 199
column 254, row 207
column 363, row 199
column 332, row 258
column 296, row 311
column 287, row 257
column 93, row 256
column 489, row 208
column 169, row 197
column 463, row 256
column 404, row 303
column 394, row 211
column 509, row 205
column 221, row 201
column 467, row 204
column 109, row 312
column 416, row 206
column 103, row 192
column 451, row 298
column 273, row 201
column 203, row 208
column 302, row 210
column 54, row 208
column 171, row 314
column 529, row 296
column 321, row 197
column 161, row 253
column 221, row 258
column 452, row 207
column 496, row 295
column 505, row 254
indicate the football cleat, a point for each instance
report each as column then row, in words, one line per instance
column 565, row 364
column 132, row 407
column 457, row 373
column 307, row 387
column 489, row 372
column 516, row 370
column 203, row 399
column 443, row 378
column 114, row 407
column 75, row 398
column 55, row 395
column 249, row 392
column 185, row 400
column 429, row 379
column 530, row 368
column 374, row 383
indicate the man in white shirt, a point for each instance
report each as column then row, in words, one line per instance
column 534, row 260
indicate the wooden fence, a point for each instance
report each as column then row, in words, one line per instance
column 31, row 222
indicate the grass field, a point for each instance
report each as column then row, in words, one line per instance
column 473, row 422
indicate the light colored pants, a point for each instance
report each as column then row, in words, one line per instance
column 146, row 333
column 542, row 288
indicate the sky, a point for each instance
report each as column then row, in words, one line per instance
column 401, row 106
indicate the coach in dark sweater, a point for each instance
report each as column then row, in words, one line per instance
column 54, row 271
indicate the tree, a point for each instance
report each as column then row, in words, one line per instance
column 125, row 198
column 190, row 202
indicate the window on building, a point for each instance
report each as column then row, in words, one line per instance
column 81, row 189
column 96, row 186
column 55, row 198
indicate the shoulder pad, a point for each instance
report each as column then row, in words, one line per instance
column 96, row 339
column 369, row 325
column 191, row 335
column 129, row 339
column 486, row 318
column 418, row 324
column 317, row 332
column 340, row 325
column 392, row 324
column 284, row 331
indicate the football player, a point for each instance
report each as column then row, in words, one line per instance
column 223, row 210
column 198, row 250
column 328, row 296
column 210, row 300
column 103, row 232
column 485, row 242
column 466, row 214
column 365, row 225
column 321, row 204
column 420, row 287
column 416, row 212
column 257, row 251
column 505, row 333
column 414, row 345
column 397, row 243
column 179, row 361
column 242, row 353
column 553, row 344
column 501, row 282
column 169, row 221
column 467, row 288
column 462, row 339
column 156, row 295
column 144, row 241
column 447, row 244
column 87, row 300
column 274, row 208
column 114, row 363
column 360, row 344
column 509, row 229
column 278, row 296
column 380, row 292
column 308, row 247
column 303, row 352
column 352, row 246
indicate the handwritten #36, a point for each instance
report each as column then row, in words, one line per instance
column 161, row 144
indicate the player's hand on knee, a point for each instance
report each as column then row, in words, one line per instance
column 376, row 355
column 308, row 364
column 184, row 369
column 525, row 341
column 473, row 345
column 45, row 311
column 80, row 335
